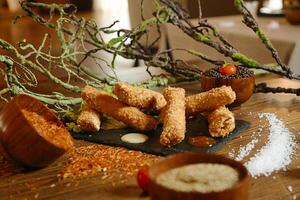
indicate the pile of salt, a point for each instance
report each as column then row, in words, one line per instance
column 276, row 154
column 245, row 150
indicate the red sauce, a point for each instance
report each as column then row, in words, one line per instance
column 201, row 141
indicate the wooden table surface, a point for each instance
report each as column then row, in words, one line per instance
column 45, row 184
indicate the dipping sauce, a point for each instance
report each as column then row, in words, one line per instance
column 134, row 138
column 202, row 177
column 201, row 141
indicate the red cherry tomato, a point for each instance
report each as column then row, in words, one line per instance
column 143, row 178
column 228, row 69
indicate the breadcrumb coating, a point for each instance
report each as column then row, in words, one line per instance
column 221, row 122
column 107, row 104
column 210, row 100
column 89, row 119
column 173, row 116
column 139, row 97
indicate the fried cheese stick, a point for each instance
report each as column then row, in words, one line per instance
column 173, row 116
column 139, row 97
column 89, row 119
column 221, row 122
column 107, row 104
column 210, row 100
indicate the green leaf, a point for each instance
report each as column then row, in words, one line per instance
column 115, row 41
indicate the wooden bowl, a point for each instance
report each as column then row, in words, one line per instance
column 31, row 134
column 158, row 192
column 243, row 87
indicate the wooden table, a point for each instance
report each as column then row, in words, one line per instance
column 44, row 183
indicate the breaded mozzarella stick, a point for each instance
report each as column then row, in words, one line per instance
column 173, row 116
column 210, row 100
column 89, row 119
column 221, row 122
column 139, row 97
column 107, row 104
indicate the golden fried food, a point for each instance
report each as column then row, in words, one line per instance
column 173, row 116
column 89, row 119
column 139, row 97
column 221, row 122
column 107, row 104
column 210, row 100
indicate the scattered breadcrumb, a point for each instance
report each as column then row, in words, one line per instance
column 105, row 161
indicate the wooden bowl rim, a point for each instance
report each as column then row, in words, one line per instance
column 17, row 101
column 46, row 110
column 19, row 97
column 243, row 172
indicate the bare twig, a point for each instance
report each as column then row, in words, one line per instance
column 250, row 21
column 200, row 10
column 263, row 88
column 81, row 40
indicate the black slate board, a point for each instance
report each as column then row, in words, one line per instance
column 195, row 127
